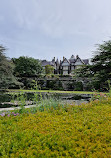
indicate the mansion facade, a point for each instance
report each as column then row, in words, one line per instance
column 66, row 66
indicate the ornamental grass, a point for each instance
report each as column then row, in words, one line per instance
column 70, row 131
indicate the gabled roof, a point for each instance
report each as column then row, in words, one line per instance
column 72, row 57
column 57, row 62
column 65, row 60
column 78, row 58
column 86, row 61
column 53, row 60
column 45, row 62
column 72, row 60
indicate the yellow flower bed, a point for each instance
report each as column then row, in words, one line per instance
column 75, row 131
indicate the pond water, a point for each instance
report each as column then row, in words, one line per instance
column 8, row 100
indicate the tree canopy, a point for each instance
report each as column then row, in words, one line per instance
column 27, row 66
column 100, row 69
column 7, row 78
column 49, row 69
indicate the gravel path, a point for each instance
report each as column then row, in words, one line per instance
column 14, row 108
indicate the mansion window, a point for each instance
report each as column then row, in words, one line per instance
column 65, row 72
column 72, row 68
column 65, row 68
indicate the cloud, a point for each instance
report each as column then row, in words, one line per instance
column 60, row 18
column 54, row 27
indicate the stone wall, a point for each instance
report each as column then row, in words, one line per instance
column 66, row 83
column 57, row 83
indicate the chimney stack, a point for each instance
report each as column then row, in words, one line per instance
column 77, row 56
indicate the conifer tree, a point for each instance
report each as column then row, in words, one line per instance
column 6, row 70
column 100, row 69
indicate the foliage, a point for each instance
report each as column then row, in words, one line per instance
column 61, row 75
column 54, row 84
column 99, row 72
column 102, row 64
column 99, row 96
column 21, row 99
column 6, row 71
column 69, row 131
column 49, row 69
column 78, row 86
column 27, row 67
column 109, row 84
column 75, row 86
column 26, row 81
column 5, row 97
column 37, row 96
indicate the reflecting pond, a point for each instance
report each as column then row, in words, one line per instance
column 8, row 99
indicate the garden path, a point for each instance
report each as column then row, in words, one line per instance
column 14, row 108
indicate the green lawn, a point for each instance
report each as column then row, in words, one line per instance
column 54, row 91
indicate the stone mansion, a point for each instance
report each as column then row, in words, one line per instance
column 66, row 66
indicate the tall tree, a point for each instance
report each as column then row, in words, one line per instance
column 27, row 66
column 102, row 63
column 6, row 70
column 49, row 69
column 100, row 70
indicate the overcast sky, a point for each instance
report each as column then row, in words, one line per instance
column 46, row 28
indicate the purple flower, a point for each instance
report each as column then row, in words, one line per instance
column 3, row 114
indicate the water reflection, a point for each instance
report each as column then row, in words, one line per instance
column 6, row 99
